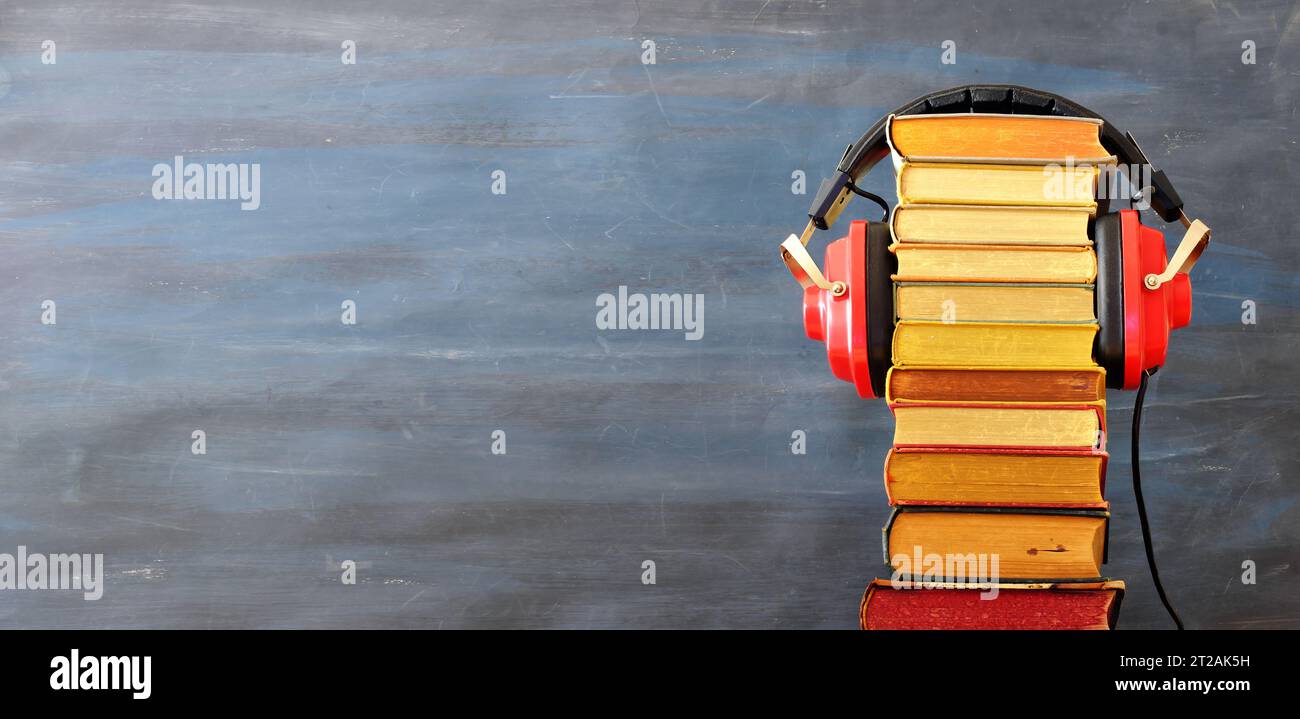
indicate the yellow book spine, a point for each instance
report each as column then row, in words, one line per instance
column 1007, row 425
column 993, row 344
column 991, row 225
column 919, row 262
column 991, row 302
column 987, row 184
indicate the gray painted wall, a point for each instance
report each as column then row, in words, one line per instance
column 476, row 311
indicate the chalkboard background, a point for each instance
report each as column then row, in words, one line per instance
column 476, row 311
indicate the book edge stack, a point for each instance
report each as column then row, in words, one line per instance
column 1112, row 590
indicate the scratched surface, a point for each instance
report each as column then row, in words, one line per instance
column 476, row 311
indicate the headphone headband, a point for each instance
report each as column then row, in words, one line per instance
column 862, row 156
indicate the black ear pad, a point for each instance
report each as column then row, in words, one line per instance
column 881, row 266
column 1109, row 349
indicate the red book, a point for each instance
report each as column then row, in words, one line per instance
column 1090, row 605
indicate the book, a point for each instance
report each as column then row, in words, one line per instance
column 1018, row 425
column 997, row 138
column 1067, row 606
column 962, row 344
column 1018, row 544
column 979, row 184
column 998, row 461
column 980, row 384
column 984, row 477
column 994, row 302
column 994, row 263
column 991, row 225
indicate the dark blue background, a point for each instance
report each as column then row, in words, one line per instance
column 371, row 442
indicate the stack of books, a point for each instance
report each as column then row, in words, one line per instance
column 997, row 471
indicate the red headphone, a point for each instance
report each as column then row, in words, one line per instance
column 1141, row 295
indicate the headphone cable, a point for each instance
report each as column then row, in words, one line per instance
column 871, row 196
column 1141, row 505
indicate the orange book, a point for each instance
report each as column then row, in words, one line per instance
column 976, row 384
column 1015, row 544
column 997, row 138
column 986, row 477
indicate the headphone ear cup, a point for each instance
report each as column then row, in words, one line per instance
column 857, row 325
column 1108, row 242
column 882, row 265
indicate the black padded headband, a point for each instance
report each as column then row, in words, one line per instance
column 863, row 155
